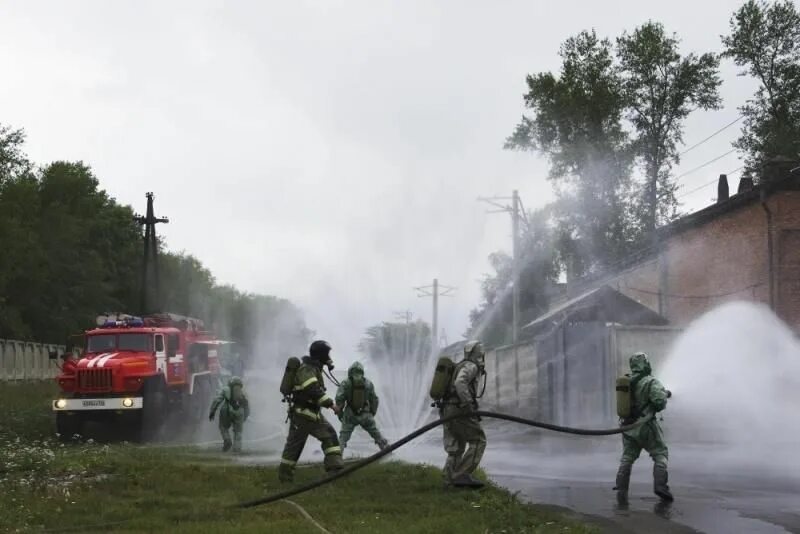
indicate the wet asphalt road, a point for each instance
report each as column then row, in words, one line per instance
column 710, row 502
column 712, row 495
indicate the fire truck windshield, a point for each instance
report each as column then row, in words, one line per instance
column 129, row 342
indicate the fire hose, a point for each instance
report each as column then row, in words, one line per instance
column 388, row 450
column 430, row 426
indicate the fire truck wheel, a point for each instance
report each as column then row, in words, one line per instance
column 68, row 425
column 153, row 410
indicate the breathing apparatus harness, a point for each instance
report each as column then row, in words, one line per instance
column 287, row 387
column 446, row 373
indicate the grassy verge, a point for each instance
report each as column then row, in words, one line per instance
column 121, row 487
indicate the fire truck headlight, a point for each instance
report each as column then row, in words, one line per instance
column 61, row 404
column 127, row 403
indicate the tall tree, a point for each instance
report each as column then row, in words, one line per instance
column 765, row 39
column 91, row 247
column 577, row 123
column 661, row 88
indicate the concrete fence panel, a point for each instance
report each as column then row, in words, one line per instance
column 26, row 360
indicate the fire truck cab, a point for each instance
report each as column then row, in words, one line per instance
column 137, row 372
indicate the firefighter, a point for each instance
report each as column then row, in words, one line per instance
column 234, row 411
column 464, row 439
column 357, row 394
column 648, row 397
column 70, row 364
column 305, row 417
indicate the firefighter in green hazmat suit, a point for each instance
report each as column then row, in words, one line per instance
column 234, row 409
column 305, row 417
column 357, row 394
column 648, row 396
column 464, row 439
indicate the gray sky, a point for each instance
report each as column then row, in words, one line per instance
column 329, row 152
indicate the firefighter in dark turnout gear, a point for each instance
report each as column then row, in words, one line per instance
column 464, row 439
column 306, row 419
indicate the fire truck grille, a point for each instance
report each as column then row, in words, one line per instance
column 95, row 380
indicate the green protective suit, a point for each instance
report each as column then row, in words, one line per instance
column 464, row 439
column 306, row 419
column 234, row 409
column 648, row 397
column 351, row 416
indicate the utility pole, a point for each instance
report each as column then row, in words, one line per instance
column 407, row 316
column 149, row 222
column 443, row 338
column 433, row 291
column 517, row 214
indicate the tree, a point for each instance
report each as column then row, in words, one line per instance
column 71, row 252
column 539, row 270
column 660, row 89
column 577, row 124
column 13, row 161
column 765, row 39
column 91, row 251
column 387, row 342
column 23, row 260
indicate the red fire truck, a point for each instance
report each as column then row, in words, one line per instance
column 137, row 372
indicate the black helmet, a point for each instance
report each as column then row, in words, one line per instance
column 320, row 350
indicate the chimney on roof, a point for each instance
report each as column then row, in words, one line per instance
column 745, row 184
column 723, row 193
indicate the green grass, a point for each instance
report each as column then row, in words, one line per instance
column 122, row 487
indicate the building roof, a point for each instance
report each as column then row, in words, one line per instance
column 761, row 191
column 765, row 189
column 600, row 304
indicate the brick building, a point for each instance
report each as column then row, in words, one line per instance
column 746, row 246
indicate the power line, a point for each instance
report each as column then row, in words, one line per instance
column 706, row 164
column 712, row 135
column 715, row 180
column 641, row 252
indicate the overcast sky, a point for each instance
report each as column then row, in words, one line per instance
column 328, row 152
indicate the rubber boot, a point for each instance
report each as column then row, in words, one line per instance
column 382, row 444
column 226, row 445
column 660, row 486
column 623, row 481
column 285, row 473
